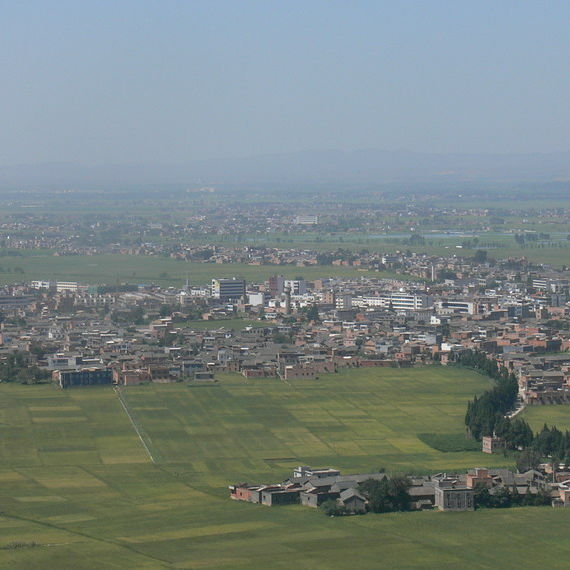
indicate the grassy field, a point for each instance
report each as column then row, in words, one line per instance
column 108, row 269
column 135, row 269
column 557, row 255
column 78, row 489
column 558, row 416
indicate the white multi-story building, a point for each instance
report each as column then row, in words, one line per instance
column 296, row 286
column 450, row 306
column 62, row 286
column 40, row 284
column 305, row 220
column 255, row 299
column 396, row 301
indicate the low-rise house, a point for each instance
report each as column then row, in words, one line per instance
column 564, row 493
column 204, row 376
column 479, row 476
column 422, row 493
column 493, row 444
column 352, row 501
column 452, row 495
column 279, row 495
column 245, row 492
column 317, row 496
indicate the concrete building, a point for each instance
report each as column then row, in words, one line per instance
column 15, row 301
column 305, row 471
column 454, row 306
column 255, row 299
column 40, row 284
column 306, row 220
column 396, row 301
column 62, row 286
column 296, row 286
column 85, row 377
column 61, row 361
column 492, row 444
column 276, row 285
column 228, row 289
column 452, row 495
column 343, row 301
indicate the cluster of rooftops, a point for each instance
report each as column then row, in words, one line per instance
column 312, row 487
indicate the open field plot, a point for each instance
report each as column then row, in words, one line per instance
column 455, row 239
column 43, row 426
column 556, row 253
column 110, row 268
column 84, row 494
column 359, row 419
column 558, row 416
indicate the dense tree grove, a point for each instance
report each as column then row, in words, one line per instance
column 312, row 313
column 517, row 433
column 332, row 509
column 528, row 459
column 485, row 414
column 551, row 442
column 15, row 368
column 388, row 495
column 504, row 498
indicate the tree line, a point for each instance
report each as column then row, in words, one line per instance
column 504, row 498
column 549, row 442
column 486, row 414
column 16, row 368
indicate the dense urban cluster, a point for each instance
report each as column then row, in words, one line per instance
column 509, row 311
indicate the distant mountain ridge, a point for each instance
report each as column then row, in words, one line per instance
column 307, row 167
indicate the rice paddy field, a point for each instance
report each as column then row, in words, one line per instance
column 89, row 482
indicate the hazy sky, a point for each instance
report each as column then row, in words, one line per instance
column 135, row 81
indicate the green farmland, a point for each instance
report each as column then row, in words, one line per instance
column 558, row 416
column 110, row 268
column 79, row 490
column 498, row 244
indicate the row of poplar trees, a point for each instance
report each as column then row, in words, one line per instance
column 486, row 414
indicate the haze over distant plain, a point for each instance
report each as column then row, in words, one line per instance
column 148, row 82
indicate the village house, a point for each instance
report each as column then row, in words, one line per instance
column 452, row 495
column 493, row 444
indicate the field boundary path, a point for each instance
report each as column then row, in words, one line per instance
column 137, row 428
column 518, row 409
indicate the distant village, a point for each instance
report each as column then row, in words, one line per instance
column 442, row 491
